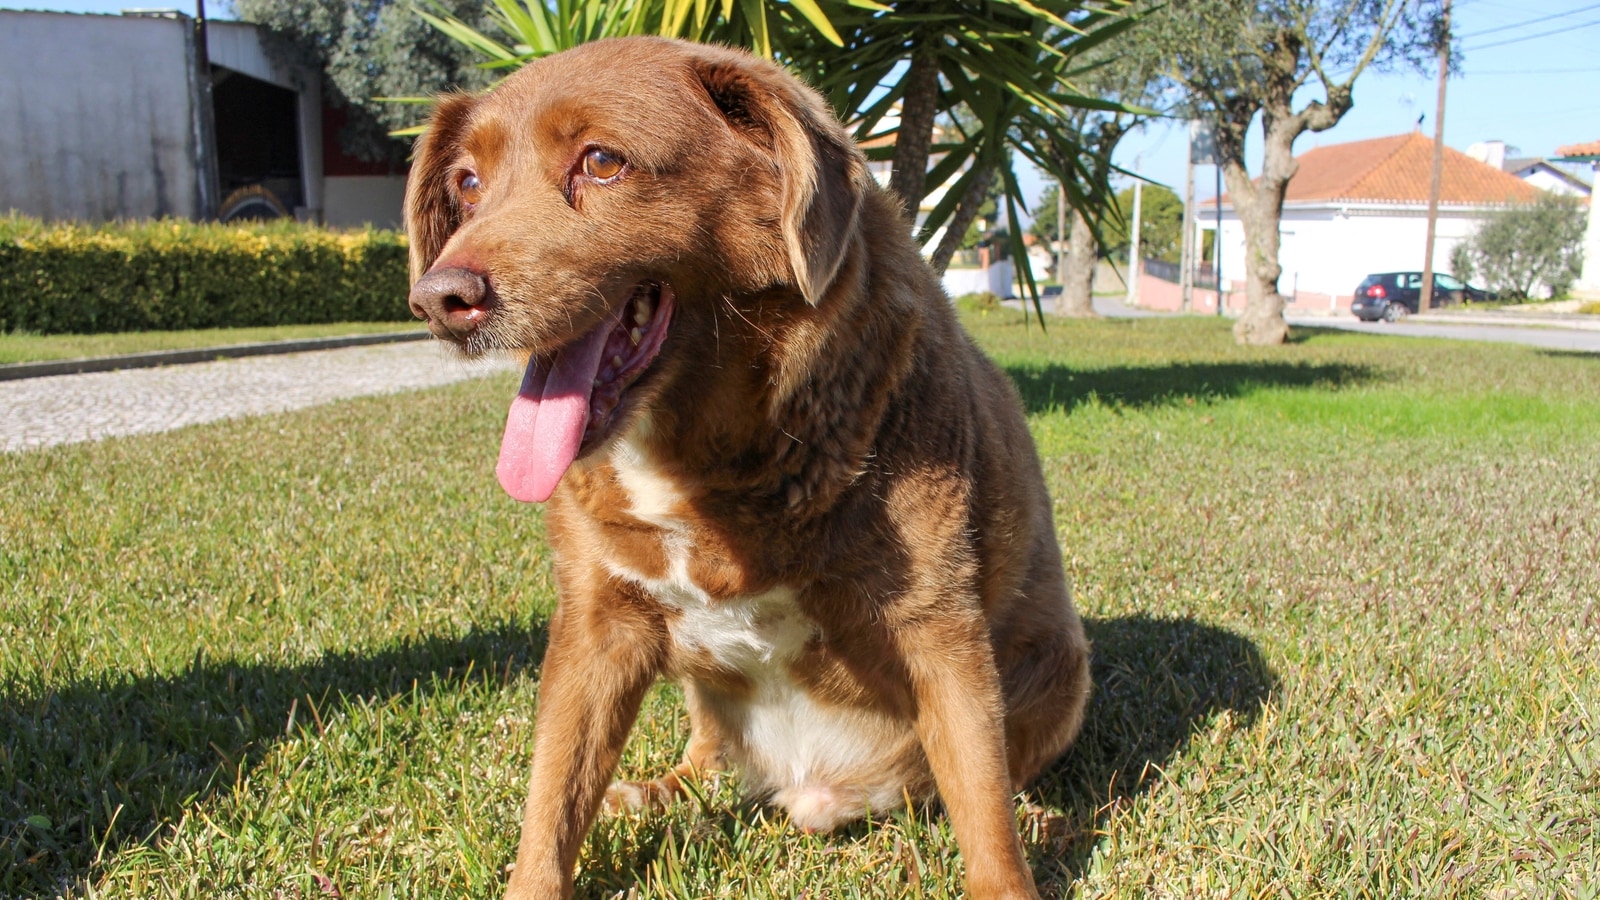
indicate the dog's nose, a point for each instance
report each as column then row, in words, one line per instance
column 452, row 300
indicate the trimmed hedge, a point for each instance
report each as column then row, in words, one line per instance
column 170, row 275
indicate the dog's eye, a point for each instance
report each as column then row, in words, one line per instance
column 471, row 189
column 602, row 165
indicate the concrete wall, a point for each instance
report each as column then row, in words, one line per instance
column 95, row 116
column 352, row 201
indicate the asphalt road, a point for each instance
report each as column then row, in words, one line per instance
column 1551, row 336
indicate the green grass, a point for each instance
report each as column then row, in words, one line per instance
column 1343, row 594
column 16, row 348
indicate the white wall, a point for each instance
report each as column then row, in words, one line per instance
column 1545, row 180
column 997, row 279
column 1332, row 249
column 95, row 116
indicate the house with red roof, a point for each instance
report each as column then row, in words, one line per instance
column 1362, row 207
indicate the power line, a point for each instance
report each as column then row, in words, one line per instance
column 1529, row 37
column 1529, row 71
column 1538, row 21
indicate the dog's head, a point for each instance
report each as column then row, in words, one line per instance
column 591, row 202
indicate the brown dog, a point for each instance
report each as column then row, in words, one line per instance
column 779, row 473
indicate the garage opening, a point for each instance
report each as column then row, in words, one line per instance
column 258, row 147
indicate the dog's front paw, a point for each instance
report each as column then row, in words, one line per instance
column 641, row 796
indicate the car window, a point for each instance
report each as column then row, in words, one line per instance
column 1411, row 280
column 1447, row 282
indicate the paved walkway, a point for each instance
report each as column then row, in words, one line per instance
column 64, row 409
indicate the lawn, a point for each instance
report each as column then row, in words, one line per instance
column 1344, row 596
column 17, row 348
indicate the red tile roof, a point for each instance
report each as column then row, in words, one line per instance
column 1397, row 169
column 1590, row 149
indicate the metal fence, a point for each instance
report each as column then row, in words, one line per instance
column 1166, row 271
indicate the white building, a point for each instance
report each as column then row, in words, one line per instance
column 1589, row 282
column 1362, row 207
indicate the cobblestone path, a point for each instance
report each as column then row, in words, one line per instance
column 39, row 412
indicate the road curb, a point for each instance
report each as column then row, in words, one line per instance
column 16, row 371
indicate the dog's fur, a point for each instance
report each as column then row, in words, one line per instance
column 819, row 510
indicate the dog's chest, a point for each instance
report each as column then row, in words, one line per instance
column 790, row 744
column 753, row 632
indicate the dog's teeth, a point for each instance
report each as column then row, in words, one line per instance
column 635, row 335
column 616, row 361
column 641, row 314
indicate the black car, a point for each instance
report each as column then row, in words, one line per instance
column 1391, row 296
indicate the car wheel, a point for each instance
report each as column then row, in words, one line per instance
column 1394, row 312
column 254, row 203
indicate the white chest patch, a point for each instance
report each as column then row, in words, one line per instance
column 652, row 496
column 790, row 747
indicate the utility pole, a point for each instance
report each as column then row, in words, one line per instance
column 1216, row 242
column 1133, row 237
column 210, row 193
column 1061, row 241
column 1187, row 254
column 1425, row 302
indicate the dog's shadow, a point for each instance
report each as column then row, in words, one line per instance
column 91, row 766
column 99, row 763
column 1156, row 683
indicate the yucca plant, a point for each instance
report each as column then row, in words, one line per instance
column 534, row 28
column 998, row 73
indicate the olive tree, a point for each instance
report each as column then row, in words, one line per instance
column 1292, row 65
column 1526, row 248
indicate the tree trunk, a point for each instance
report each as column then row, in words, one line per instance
column 1077, row 282
column 1259, row 206
column 966, row 211
column 918, row 108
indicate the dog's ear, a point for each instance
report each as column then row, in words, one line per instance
column 431, row 213
column 821, row 171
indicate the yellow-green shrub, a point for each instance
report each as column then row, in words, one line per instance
column 170, row 274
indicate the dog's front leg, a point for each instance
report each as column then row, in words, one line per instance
column 603, row 655
column 960, row 720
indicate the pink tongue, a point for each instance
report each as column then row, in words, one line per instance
column 545, row 426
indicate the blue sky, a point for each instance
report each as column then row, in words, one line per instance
column 1535, row 86
column 1530, row 77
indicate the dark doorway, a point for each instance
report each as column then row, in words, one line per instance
column 258, row 147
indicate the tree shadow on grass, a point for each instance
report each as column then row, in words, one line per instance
column 1156, row 683
column 104, row 762
column 1589, row 355
column 1055, row 386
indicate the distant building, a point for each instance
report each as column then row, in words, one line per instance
column 1361, row 207
column 1545, row 174
column 118, row 117
column 1587, row 154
